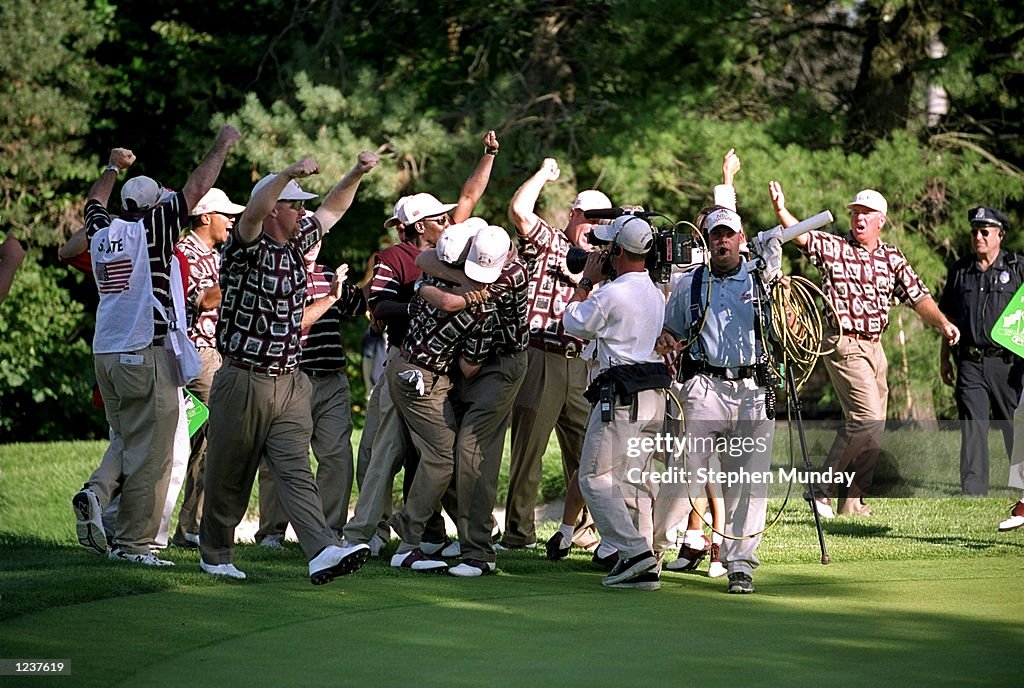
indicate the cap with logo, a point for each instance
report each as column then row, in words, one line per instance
column 291, row 192
column 983, row 215
column 870, row 199
column 421, row 206
column 142, row 193
column 487, row 255
column 216, row 201
column 723, row 217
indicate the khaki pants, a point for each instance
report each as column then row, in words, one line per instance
column 141, row 404
column 621, row 501
column 430, row 419
column 488, row 398
column 191, row 512
column 332, row 447
column 857, row 370
column 550, row 398
column 253, row 416
column 734, row 411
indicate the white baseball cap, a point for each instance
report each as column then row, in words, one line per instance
column 420, row 206
column 486, row 258
column 216, row 201
column 291, row 192
column 393, row 221
column 723, row 216
column 142, row 193
column 453, row 243
column 871, row 199
column 635, row 234
column 591, row 199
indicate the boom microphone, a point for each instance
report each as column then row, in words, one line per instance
column 814, row 222
column 603, row 213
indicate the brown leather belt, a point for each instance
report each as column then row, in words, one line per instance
column 559, row 349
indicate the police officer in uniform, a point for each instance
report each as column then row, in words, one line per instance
column 988, row 377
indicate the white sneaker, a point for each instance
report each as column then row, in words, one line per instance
column 1016, row 519
column 148, row 559
column 336, row 561
column 416, row 560
column 452, row 551
column 471, row 568
column 823, row 507
column 223, row 570
column 89, row 526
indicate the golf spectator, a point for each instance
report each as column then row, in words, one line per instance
column 551, row 395
column 989, row 378
column 260, row 399
column 860, row 276
column 11, row 256
column 212, row 219
column 328, row 298
column 131, row 259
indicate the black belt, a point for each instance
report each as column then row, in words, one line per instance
column 322, row 373
column 862, row 337
column 977, row 353
column 560, row 349
column 740, row 373
column 271, row 372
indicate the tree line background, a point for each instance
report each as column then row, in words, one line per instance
column 639, row 98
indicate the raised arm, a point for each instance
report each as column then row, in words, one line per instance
column 787, row 218
column 205, row 174
column 250, row 223
column 521, row 210
column 11, row 256
column 120, row 159
column 476, row 183
column 339, row 199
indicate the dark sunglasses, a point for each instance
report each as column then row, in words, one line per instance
column 982, row 231
column 442, row 219
column 294, row 205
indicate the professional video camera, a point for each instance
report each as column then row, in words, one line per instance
column 671, row 246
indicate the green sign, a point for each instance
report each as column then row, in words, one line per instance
column 196, row 412
column 1009, row 329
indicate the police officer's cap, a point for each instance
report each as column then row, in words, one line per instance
column 987, row 216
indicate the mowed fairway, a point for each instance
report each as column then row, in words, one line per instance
column 925, row 592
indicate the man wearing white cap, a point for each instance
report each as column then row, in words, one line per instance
column 131, row 259
column 860, row 276
column 260, row 400
column 722, row 400
column 212, row 219
column 419, row 382
column 385, row 445
column 624, row 318
column 551, row 396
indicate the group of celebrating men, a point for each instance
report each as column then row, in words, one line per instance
column 484, row 334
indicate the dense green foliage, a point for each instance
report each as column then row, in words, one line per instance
column 639, row 98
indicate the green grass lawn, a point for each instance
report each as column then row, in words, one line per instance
column 925, row 592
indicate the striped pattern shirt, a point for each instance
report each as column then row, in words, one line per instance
column 435, row 336
column 394, row 277
column 163, row 225
column 508, row 309
column 321, row 342
column 203, row 272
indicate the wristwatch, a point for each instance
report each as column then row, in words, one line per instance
column 586, row 284
column 112, row 168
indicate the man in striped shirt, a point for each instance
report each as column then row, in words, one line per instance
column 328, row 298
column 131, row 259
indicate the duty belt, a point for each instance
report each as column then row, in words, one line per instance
column 977, row 353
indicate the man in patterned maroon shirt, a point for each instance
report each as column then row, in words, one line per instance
column 551, row 395
column 260, row 400
column 860, row 276
column 212, row 219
